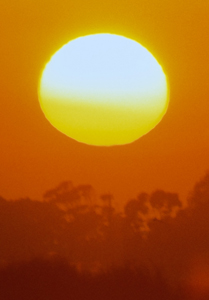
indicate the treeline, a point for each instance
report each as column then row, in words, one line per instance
column 154, row 231
column 73, row 223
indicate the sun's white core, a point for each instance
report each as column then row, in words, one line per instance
column 103, row 89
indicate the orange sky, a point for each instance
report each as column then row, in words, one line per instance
column 35, row 156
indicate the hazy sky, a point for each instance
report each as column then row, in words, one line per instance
column 35, row 156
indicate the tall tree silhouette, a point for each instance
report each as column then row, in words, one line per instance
column 200, row 192
column 136, row 211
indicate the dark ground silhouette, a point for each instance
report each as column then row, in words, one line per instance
column 55, row 279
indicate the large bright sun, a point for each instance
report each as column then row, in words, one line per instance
column 103, row 89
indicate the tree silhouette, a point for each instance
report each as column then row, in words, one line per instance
column 90, row 226
column 164, row 203
column 158, row 205
column 136, row 211
column 200, row 192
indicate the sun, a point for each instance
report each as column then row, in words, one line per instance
column 103, row 90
